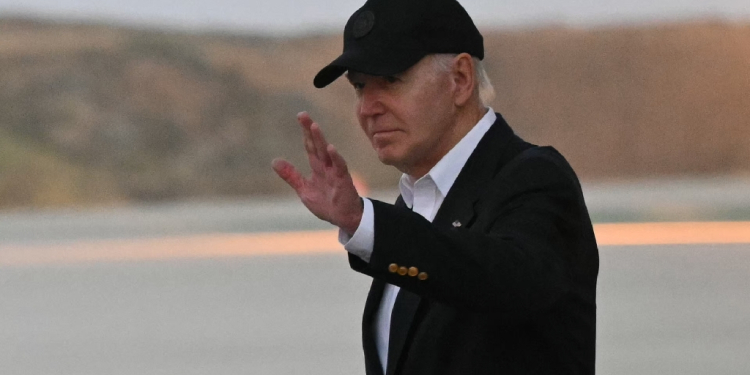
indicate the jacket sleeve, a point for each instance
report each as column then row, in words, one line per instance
column 515, row 257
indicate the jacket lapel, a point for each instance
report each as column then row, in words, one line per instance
column 492, row 152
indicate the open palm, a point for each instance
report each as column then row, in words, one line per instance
column 329, row 192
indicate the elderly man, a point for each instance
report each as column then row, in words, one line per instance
column 487, row 262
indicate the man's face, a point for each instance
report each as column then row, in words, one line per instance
column 407, row 117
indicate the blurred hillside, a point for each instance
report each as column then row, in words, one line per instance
column 91, row 114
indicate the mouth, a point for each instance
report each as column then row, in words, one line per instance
column 384, row 132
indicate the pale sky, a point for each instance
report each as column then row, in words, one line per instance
column 295, row 16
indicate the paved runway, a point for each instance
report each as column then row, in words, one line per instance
column 662, row 310
column 192, row 288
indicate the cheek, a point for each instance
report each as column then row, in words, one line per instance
column 441, row 107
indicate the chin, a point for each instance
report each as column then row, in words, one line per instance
column 395, row 161
column 388, row 158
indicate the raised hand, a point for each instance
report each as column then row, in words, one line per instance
column 329, row 192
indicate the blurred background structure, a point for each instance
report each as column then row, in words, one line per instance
column 94, row 113
column 142, row 230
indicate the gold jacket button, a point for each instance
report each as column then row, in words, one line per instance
column 413, row 271
column 402, row 271
column 393, row 268
column 423, row 276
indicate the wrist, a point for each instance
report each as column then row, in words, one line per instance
column 353, row 223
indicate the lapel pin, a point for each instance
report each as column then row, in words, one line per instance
column 456, row 224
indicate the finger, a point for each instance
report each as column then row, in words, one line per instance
column 288, row 173
column 338, row 162
column 315, row 154
column 305, row 122
column 321, row 145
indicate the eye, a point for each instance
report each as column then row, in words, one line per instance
column 391, row 79
column 358, row 86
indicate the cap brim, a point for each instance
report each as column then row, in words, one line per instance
column 378, row 64
column 329, row 74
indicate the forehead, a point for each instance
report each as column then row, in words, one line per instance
column 354, row 75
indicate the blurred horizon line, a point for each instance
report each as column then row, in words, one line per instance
column 270, row 28
column 317, row 242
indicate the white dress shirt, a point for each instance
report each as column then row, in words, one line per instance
column 424, row 196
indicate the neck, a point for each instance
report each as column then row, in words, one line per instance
column 465, row 120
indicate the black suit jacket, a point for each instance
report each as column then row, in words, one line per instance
column 512, row 290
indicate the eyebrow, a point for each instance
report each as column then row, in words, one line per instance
column 349, row 75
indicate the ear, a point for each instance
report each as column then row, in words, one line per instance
column 463, row 79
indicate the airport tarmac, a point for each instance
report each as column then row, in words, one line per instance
column 671, row 309
column 178, row 289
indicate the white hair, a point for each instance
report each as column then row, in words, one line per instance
column 444, row 62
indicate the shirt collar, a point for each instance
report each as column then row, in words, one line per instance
column 445, row 172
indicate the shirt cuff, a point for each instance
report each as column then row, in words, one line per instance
column 363, row 239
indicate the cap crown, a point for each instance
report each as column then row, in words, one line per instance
column 386, row 37
column 432, row 26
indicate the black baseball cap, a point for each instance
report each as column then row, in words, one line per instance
column 387, row 37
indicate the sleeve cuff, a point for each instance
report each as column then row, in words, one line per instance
column 362, row 241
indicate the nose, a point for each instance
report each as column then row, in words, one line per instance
column 370, row 101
